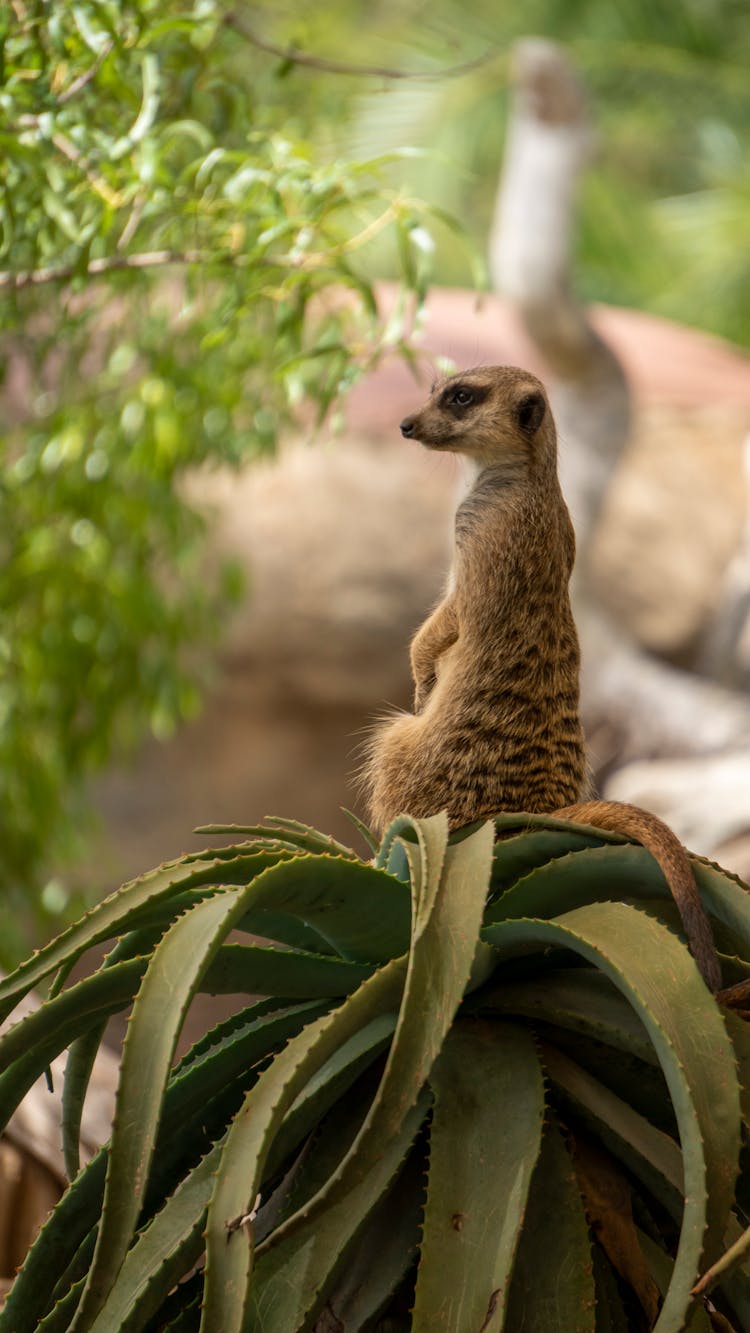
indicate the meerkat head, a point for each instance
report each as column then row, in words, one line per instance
column 495, row 415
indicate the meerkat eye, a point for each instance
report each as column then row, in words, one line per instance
column 462, row 397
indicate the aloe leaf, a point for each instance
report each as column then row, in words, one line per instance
column 731, row 1258
column 253, row 968
column 367, row 837
column 198, row 1095
column 290, row 930
column 59, row 1318
column 484, row 1142
column 158, row 1257
column 578, row 999
column 594, row 875
column 301, row 836
column 29, row 1297
column 735, row 1279
column 726, row 897
column 739, row 1035
column 660, row 1264
column 610, row 1315
column 224, row 1031
column 291, row 1279
column 642, row 1086
column 161, row 1255
column 361, row 911
column 229, row 1240
column 332, row 1138
column 384, row 1252
column 80, row 1005
column 78, row 1068
column 125, row 910
column 610, row 872
column 31, row 1044
column 158, row 1013
column 192, row 1085
column 82, row 1056
column 515, row 857
column 552, row 1289
column 331, row 1081
column 523, row 821
column 650, row 1155
column 181, row 1311
column 449, row 892
column 661, row 980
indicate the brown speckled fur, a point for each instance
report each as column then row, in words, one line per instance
column 496, row 665
column 495, row 723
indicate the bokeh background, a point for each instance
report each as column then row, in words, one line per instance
column 213, row 545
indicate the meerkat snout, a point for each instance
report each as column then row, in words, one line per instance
column 407, row 427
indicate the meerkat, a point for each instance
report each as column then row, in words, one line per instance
column 496, row 723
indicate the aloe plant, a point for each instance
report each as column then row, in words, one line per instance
column 474, row 1083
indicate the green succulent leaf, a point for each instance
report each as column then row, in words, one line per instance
column 127, row 909
column 167, row 989
column 292, row 1278
column 396, row 1124
column 656, row 973
column 229, row 1241
column 595, row 874
column 649, row 1154
column 483, row 1150
column 552, row 1290
column 449, row 890
column 253, row 968
column 578, row 999
column 517, row 855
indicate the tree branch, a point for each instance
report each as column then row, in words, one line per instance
column 88, row 74
column 37, row 277
column 297, row 57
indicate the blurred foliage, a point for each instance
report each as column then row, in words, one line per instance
column 169, row 236
column 666, row 209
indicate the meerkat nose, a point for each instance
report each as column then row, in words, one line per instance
column 407, row 427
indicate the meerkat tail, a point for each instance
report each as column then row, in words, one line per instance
column 672, row 858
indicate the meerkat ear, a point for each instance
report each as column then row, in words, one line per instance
column 530, row 412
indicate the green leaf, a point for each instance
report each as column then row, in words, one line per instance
column 166, row 1248
column 649, row 1154
column 660, row 979
column 291, row 1279
column 29, row 1297
column 229, row 1242
column 594, row 875
column 552, row 1290
column 449, row 886
column 78, row 1069
column 124, row 910
column 726, row 898
column 514, row 857
column 384, row 1252
column 161, row 1255
column 484, row 1142
column 661, row 1268
column 251, row 968
column 300, row 836
column 82, row 1056
column 166, row 991
column 577, row 999
column 362, row 912
column 369, row 838
column 29, row 1047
